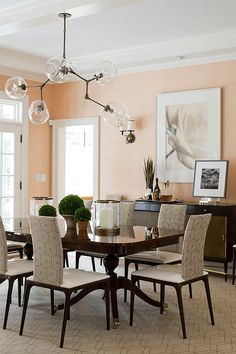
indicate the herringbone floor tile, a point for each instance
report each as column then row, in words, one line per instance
column 151, row 333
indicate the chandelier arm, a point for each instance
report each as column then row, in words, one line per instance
column 41, row 93
column 44, row 83
column 41, row 88
column 106, row 108
column 79, row 76
column 30, row 86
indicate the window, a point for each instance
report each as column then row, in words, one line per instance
column 10, row 111
column 75, row 157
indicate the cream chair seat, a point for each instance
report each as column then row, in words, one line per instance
column 49, row 272
column 190, row 271
column 157, row 256
column 11, row 271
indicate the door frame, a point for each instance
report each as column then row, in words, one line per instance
column 24, row 124
column 56, row 124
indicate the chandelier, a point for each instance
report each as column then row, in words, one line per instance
column 61, row 70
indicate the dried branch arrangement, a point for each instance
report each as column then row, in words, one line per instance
column 149, row 172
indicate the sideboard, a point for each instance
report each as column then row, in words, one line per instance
column 221, row 233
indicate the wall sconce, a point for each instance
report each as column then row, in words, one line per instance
column 128, row 131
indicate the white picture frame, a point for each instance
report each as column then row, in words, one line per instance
column 210, row 178
column 188, row 129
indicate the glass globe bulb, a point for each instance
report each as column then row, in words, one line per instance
column 38, row 112
column 130, row 138
column 58, row 69
column 115, row 114
column 16, row 87
column 105, row 72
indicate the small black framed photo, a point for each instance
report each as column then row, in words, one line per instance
column 210, row 178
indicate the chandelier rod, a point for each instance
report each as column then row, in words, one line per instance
column 64, row 15
column 64, row 38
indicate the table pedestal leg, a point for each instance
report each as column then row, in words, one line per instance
column 28, row 251
column 111, row 262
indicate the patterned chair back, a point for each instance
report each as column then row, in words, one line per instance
column 3, row 249
column 193, row 246
column 48, row 254
column 126, row 213
column 172, row 217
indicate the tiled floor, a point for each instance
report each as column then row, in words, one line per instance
column 152, row 333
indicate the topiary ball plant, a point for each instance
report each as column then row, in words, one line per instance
column 69, row 204
column 82, row 214
column 47, row 210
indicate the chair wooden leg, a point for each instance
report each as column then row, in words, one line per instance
column 77, row 257
column 25, row 305
column 208, row 294
column 9, row 294
column 136, row 268
column 93, row 264
column 65, row 259
column 107, row 299
column 52, row 301
column 133, row 281
column 234, row 261
column 126, row 276
column 154, row 287
column 181, row 309
column 162, row 298
column 65, row 317
column 226, row 270
column 190, row 291
column 21, row 252
column 19, row 291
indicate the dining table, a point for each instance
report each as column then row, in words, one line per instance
column 131, row 239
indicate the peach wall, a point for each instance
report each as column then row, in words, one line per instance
column 121, row 164
column 39, row 153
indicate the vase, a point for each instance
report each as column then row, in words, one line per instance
column 82, row 230
column 71, row 226
column 149, row 192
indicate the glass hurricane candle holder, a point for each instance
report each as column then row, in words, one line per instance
column 107, row 215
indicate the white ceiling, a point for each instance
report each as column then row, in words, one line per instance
column 134, row 34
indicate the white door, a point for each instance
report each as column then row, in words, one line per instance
column 75, row 158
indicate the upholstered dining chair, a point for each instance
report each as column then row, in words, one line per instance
column 16, row 269
column 126, row 218
column 190, row 271
column 15, row 247
column 49, row 272
column 170, row 217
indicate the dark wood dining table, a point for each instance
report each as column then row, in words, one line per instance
column 131, row 239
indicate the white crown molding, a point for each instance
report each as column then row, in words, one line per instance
column 32, row 13
column 195, row 50
column 165, row 53
column 19, row 64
